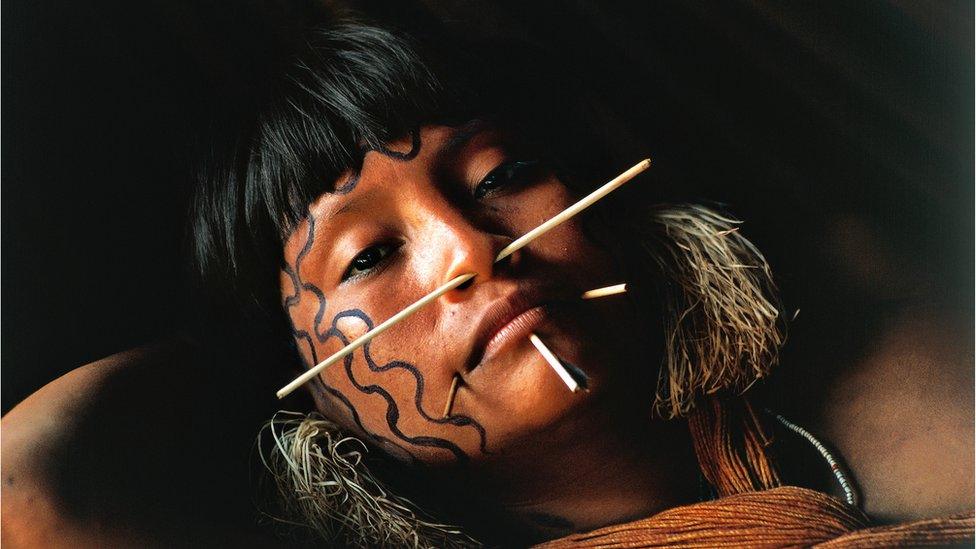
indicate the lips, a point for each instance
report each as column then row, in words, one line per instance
column 509, row 320
column 518, row 328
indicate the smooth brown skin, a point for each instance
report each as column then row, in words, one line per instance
column 902, row 417
column 533, row 423
column 31, row 431
column 124, row 452
column 901, row 414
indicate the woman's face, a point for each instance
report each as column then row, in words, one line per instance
column 421, row 212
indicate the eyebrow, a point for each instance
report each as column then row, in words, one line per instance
column 462, row 135
column 325, row 221
column 351, row 204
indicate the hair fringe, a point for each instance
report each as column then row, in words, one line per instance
column 722, row 321
column 325, row 485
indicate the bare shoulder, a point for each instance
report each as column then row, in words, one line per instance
column 51, row 411
column 36, row 433
column 902, row 417
column 123, row 452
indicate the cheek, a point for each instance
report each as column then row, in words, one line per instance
column 390, row 392
column 536, row 204
column 578, row 248
column 301, row 303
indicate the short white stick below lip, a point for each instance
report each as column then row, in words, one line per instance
column 554, row 362
column 603, row 292
column 576, row 208
column 377, row 330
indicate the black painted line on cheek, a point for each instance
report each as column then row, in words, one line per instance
column 393, row 411
column 393, row 416
column 341, row 397
column 457, row 420
column 293, row 299
column 290, row 302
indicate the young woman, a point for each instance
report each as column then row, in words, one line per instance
column 378, row 170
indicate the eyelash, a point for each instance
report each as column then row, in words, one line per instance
column 521, row 170
column 385, row 251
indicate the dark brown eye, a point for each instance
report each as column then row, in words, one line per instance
column 367, row 260
column 507, row 174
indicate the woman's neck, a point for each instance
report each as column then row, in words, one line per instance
column 606, row 477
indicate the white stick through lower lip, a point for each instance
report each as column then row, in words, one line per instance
column 555, row 363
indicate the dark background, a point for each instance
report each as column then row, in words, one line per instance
column 842, row 132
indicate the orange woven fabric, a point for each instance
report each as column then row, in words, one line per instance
column 754, row 512
column 950, row 531
column 781, row 517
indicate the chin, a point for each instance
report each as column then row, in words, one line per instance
column 528, row 399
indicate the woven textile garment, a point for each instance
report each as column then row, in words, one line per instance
column 753, row 510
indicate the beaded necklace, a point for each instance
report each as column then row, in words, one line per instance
column 850, row 494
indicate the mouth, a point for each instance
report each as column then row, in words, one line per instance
column 517, row 329
column 509, row 321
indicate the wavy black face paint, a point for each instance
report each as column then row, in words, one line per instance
column 353, row 180
column 322, row 333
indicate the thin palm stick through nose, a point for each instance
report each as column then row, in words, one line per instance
column 576, row 208
column 517, row 244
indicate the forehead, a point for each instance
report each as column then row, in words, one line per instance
column 429, row 148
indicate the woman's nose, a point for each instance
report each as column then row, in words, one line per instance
column 471, row 250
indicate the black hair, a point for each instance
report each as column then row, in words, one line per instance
column 351, row 86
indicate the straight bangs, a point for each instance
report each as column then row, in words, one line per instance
column 352, row 89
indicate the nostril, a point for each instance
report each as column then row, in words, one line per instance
column 467, row 283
